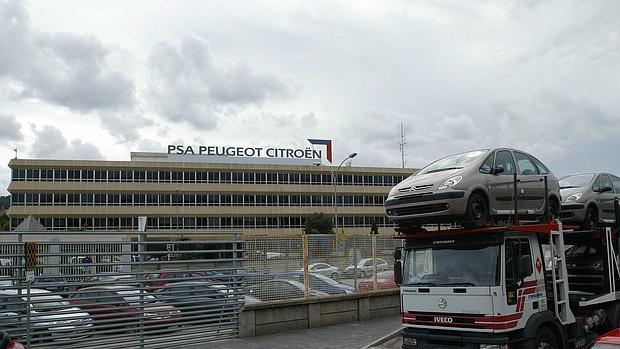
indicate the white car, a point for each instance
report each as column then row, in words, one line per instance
column 324, row 269
column 365, row 267
column 51, row 316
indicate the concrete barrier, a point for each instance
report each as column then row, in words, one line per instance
column 273, row 317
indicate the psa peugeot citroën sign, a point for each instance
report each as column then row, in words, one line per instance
column 289, row 153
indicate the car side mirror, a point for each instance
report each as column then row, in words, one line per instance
column 605, row 189
column 498, row 169
column 398, row 273
column 398, row 253
column 524, row 267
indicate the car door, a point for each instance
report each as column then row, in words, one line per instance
column 605, row 195
column 531, row 188
column 500, row 185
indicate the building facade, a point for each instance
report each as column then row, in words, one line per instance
column 177, row 192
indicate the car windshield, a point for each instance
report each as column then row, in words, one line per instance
column 133, row 297
column 472, row 265
column 453, row 162
column 576, row 181
column 48, row 303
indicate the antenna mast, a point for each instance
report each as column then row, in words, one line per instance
column 402, row 145
column 14, row 148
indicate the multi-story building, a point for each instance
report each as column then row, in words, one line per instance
column 254, row 195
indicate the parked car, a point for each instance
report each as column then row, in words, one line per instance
column 253, row 276
column 6, row 281
column 112, row 279
column 472, row 188
column 324, row 269
column 162, row 277
column 52, row 283
column 365, row 267
column 589, row 198
column 280, row 289
column 318, row 282
column 120, row 306
column 6, row 342
column 609, row 340
column 585, row 265
column 51, row 316
column 385, row 280
column 198, row 298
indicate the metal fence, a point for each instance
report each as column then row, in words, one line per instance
column 119, row 289
column 281, row 268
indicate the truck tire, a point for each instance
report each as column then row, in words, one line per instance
column 545, row 339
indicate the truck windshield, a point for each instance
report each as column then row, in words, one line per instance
column 454, row 266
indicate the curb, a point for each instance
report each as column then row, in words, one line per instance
column 384, row 339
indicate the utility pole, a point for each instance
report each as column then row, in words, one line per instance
column 402, row 144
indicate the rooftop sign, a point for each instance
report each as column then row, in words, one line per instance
column 234, row 151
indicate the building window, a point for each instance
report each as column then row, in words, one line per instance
column 32, row 175
column 126, row 176
column 152, row 176
column 101, row 176
column 114, row 176
column 139, row 176
column 60, row 175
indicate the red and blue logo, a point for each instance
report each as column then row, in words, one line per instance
column 327, row 142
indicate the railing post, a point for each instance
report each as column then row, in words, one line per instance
column 304, row 243
column 355, row 264
column 374, row 262
column 141, row 251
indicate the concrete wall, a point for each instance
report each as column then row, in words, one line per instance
column 273, row 317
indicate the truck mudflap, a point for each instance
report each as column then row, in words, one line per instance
column 432, row 339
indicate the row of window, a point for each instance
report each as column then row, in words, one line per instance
column 154, row 223
column 129, row 199
column 134, row 176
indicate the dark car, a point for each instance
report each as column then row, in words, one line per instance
column 121, row 306
column 586, row 265
column 199, row 300
column 163, row 277
column 318, row 282
column 280, row 289
column 53, row 283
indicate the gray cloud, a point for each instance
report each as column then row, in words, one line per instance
column 187, row 85
column 51, row 144
column 10, row 129
column 66, row 69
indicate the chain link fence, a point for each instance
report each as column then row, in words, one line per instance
column 282, row 268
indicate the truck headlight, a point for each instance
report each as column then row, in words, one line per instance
column 410, row 342
column 574, row 197
column 450, row 182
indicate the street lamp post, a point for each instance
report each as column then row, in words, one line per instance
column 335, row 201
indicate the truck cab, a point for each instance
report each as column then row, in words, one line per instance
column 501, row 287
column 464, row 290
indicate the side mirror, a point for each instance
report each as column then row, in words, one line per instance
column 398, row 273
column 605, row 189
column 524, row 267
column 398, row 253
column 498, row 169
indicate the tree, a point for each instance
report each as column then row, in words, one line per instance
column 319, row 223
column 4, row 222
column 374, row 228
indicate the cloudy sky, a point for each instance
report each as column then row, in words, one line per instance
column 98, row 79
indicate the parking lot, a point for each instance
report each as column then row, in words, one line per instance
column 142, row 291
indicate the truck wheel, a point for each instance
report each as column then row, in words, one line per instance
column 477, row 210
column 545, row 339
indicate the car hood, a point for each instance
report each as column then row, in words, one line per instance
column 434, row 178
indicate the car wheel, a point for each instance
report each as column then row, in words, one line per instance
column 554, row 209
column 477, row 210
column 334, row 276
column 591, row 219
